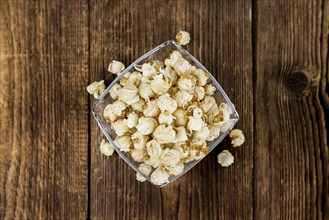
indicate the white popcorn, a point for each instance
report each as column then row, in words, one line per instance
column 114, row 91
column 180, row 117
column 132, row 120
column 197, row 113
column 160, row 176
column 96, row 89
column 227, row 125
column 160, row 84
column 183, row 38
column 182, row 148
column 148, row 70
column 170, row 157
column 180, row 134
column 117, row 107
column 225, row 106
column 123, row 143
column 139, row 140
column 202, row 134
column 199, row 93
column 195, row 124
column 225, row 158
column 175, row 169
column 170, row 74
column 208, row 103
column 153, row 161
column 214, row 131
column 237, row 137
column 146, row 125
column 198, row 150
column 187, row 83
column 106, row 148
column 145, row 91
column 201, row 77
column 164, row 134
column 138, row 155
column 138, row 106
column 174, row 56
column 108, row 114
column 128, row 93
column 166, row 103
column 120, row 127
column 145, row 169
column 157, row 64
column 166, row 118
column 153, row 148
column 183, row 98
column 179, row 64
column 116, row 67
column 209, row 89
column 151, row 109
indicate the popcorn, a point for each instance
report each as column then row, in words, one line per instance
column 183, row 38
column 166, row 103
column 175, row 169
column 138, row 155
column 108, row 114
column 145, row 169
column 116, row 67
column 128, row 94
column 180, row 117
column 160, row 84
column 114, row 91
column 209, row 89
column 146, row 125
column 106, row 148
column 151, row 109
column 96, row 89
column 138, row 106
column 197, row 113
column 208, row 103
column 182, row 148
column 153, row 161
column 166, row 118
column 170, row 157
column 195, row 124
column 164, row 134
column 199, row 93
column 145, row 91
column 198, row 150
column 214, row 131
column 157, row 64
column 187, row 83
column 132, row 120
column 153, row 148
column 180, row 134
column 160, row 176
column 123, row 143
column 139, row 140
column 120, row 127
column 170, row 74
column 183, row 98
column 237, row 137
column 225, row 158
column 202, row 134
column 201, row 77
column 148, row 70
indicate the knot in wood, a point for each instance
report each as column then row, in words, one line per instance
column 302, row 81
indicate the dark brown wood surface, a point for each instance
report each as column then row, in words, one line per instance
column 270, row 56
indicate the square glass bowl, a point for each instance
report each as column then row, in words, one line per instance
column 160, row 53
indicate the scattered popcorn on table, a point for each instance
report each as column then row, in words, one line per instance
column 106, row 148
column 225, row 158
column 237, row 137
column 96, row 89
column 116, row 67
column 183, row 38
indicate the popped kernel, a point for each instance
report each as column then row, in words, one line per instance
column 183, row 38
column 160, row 84
column 120, row 127
column 153, row 148
column 138, row 155
column 123, row 143
column 170, row 157
column 166, row 103
column 96, row 88
column 151, row 109
column 139, row 140
column 201, row 77
column 114, row 91
column 116, row 67
column 146, row 125
column 145, row 169
column 180, row 117
column 164, row 134
column 237, row 137
column 106, row 148
column 132, row 120
column 166, row 118
column 160, row 176
column 225, row 158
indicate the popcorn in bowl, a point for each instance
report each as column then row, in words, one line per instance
column 165, row 114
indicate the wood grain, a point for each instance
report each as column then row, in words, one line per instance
column 291, row 152
column 221, row 40
column 44, row 109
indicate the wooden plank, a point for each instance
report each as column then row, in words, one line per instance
column 44, row 109
column 291, row 148
column 221, row 39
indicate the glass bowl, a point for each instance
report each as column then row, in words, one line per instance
column 159, row 53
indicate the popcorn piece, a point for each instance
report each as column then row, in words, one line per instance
column 202, row 134
column 183, row 38
column 226, row 125
column 96, row 88
column 166, row 103
column 131, row 78
column 157, row 64
column 138, row 155
column 198, row 150
column 180, row 134
column 170, row 74
column 183, row 98
column 164, row 134
column 175, row 169
column 197, row 113
column 153, row 148
column 148, row 70
column 146, row 125
column 138, row 106
column 199, row 93
column 201, row 77
column 180, row 117
column 166, row 118
column 132, row 120
column 170, row 157
column 209, row 89
column 120, row 127
column 179, row 64
column 123, row 143
column 151, row 109
column 145, row 91
column 116, row 67
column 108, row 114
column 195, row 124
column 154, row 162
column 128, row 93
column 114, row 91
column 187, row 83
column 145, row 169
column 208, row 103
column 160, row 84
column 139, row 140
column 182, row 148
column 225, row 158
column 214, row 131
column 237, row 137
column 106, row 148
column 160, row 176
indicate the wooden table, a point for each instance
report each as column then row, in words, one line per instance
column 270, row 56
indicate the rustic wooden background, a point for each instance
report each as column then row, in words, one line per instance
column 270, row 56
